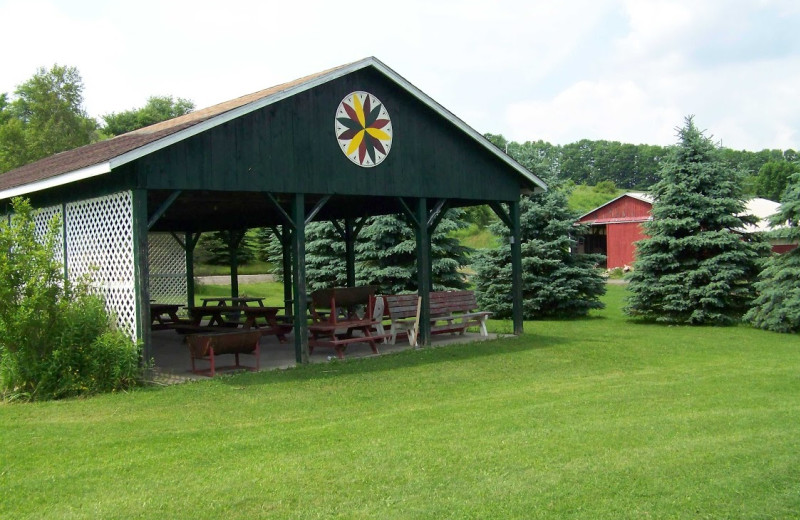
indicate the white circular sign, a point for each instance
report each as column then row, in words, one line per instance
column 364, row 129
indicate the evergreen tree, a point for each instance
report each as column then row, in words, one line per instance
column 695, row 267
column 777, row 306
column 213, row 249
column 387, row 255
column 555, row 280
column 326, row 265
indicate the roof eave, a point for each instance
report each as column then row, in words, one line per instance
column 58, row 180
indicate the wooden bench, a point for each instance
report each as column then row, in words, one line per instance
column 454, row 311
column 451, row 312
column 338, row 313
column 208, row 346
column 403, row 313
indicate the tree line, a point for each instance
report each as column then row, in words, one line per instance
column 637, row 166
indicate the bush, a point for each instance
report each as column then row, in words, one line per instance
column 56, row 340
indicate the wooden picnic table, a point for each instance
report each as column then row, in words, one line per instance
column 164, row 315
column 220, row 311
column 214, row 313
column 340, row 334
column 237, row 301
column 270, row 323
column 339, row 324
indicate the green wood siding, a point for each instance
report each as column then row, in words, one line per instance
column 290, row 147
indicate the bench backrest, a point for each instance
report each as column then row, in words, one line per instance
column 401, row 305
column 442, row 303
column 341, row 298
column 449, row 302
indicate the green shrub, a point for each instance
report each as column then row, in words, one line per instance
column 56, row 340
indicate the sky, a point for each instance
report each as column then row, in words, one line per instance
column 558, row 71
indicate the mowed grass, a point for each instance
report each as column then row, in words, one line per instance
column 595, row 418
column 272, row 292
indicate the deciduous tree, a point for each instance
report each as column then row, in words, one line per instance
column 45, row 117
column 157, row 109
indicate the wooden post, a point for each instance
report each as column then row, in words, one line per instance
column 233, row 245
column 516, row 266
column 350, row 251
column 423, row 270
column 141, row 272
column 189, row 243
column 299, row 270
column 286, row 254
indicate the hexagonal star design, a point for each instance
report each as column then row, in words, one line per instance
column 364, row 129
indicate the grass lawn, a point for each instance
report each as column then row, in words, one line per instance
column 272, row 292
column 596, row 418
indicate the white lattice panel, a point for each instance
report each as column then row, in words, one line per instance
column 100, row 243
column 167, row 264
column 42, row 219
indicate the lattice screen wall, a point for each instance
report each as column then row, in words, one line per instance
column 100, row 242
column 167, row 269
column 42, row 219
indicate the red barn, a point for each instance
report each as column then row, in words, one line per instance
column 617, row 224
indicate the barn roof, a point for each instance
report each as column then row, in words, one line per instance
column 758, row 207
column 102, row 157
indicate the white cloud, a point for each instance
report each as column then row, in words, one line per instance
column 615, row 111
column 626, row 70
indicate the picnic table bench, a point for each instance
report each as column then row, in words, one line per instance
column 341, row 316
column 165, row 316
column 451, row 312
column 207, row 346
column 219, row 318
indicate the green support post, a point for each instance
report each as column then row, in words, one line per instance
column 233, row 245
column 189, row 243
column 350, row 251
column 423, row 270
column 299, row 272
column 516, row 266
column 141, row 273
column 286, row 250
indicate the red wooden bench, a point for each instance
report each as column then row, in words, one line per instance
column 208, row 346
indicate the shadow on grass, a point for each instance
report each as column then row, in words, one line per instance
column 396, row 360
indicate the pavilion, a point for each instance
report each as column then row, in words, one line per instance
column 343, row 144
